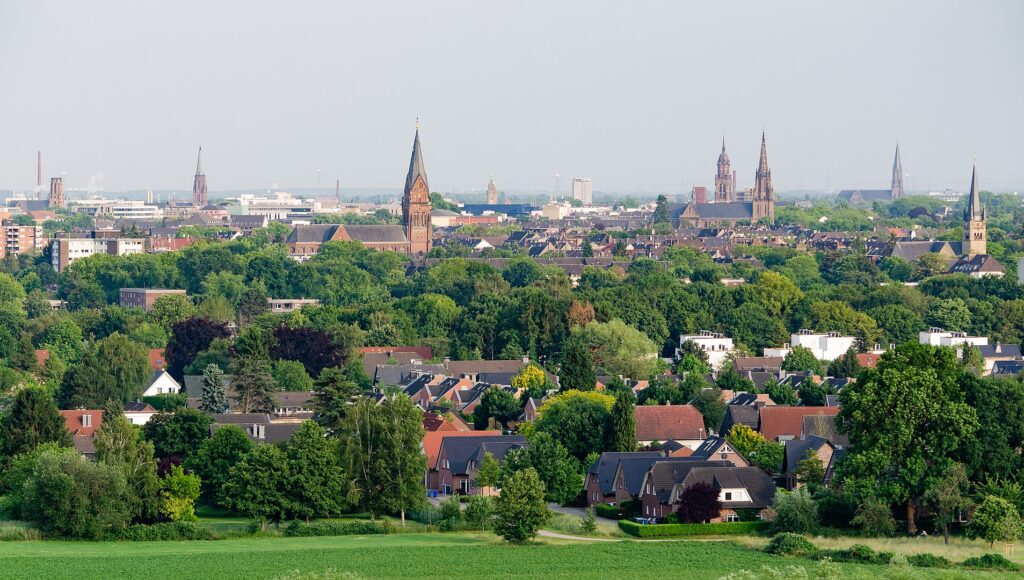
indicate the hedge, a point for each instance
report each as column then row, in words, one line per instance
column 299, row 528
column 607, row 511
column 162, row 532
column 665, row 530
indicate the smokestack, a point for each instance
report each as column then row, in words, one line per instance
column 39, row 175
column 337, row 190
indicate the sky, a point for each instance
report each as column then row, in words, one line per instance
column 635, row 95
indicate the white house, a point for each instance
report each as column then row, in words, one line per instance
column 717, row 346
column 139, row 413
column 162, row 384
column 826, row 346
column 939, row 337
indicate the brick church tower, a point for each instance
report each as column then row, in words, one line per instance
column 199, row 196
column 416, row 202
column 763, row 196
column 975, row 221
column 724, row 183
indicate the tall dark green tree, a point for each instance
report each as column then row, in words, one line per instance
column 257, row 485
column 661, row 215
column 317, row 484
column 621, row 432
column 254, row 386
column 556, row 469
column 335, row 394
column 178, row 434
column 215, row 458
column 31, row 419
column 577, row 367
column 120, row 444
column 497, row 403
column 846, row 365
column 215, row 398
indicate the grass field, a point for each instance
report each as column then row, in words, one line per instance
column 408, row 555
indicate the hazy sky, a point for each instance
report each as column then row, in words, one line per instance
column 634, row 94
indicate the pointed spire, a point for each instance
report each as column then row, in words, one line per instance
column 896, row 189
column 199, row 162
column 762, row 165
column 416, row 167
column 723, row 143
column 975, row 211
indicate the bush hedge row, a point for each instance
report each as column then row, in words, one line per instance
column 667, row 530
column 302, row 529
column 163, row 532
column 607, row 511
column 790, row 544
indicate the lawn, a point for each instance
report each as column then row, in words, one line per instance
column 403, row 555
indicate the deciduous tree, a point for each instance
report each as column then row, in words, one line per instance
column 520, row 509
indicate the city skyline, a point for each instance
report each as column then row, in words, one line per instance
column 328, row 92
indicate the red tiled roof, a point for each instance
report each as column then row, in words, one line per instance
column 156, row 359
column 668, row 422
column 445, row 422
column 42, row 355
column 778, row 420
column 425, row 352
column 75, row 425
column 432, row 442
column 868, row 360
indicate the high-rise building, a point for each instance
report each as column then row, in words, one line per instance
column 492, row 192
column 763, row 196
column 725, row 182
column 975, row 219
column 199, row 195
column 896, row 190
column 416, row 202
column 583, row 190
column 57, row 192
column 39, row 175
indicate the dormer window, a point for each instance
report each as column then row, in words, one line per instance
column 87, row 420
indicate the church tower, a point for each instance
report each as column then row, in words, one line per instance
column 975, row 218
column 199, row 198
column 416, row 202
column 57, row 192
column 492, row 192
column 763, row 196
column 896, row 191
column 724, row 182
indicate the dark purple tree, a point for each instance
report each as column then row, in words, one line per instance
column 315, row 349
column 698, row 503
column 189, row 338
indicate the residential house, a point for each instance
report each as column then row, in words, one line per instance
column 162, row 383
column 459, row 460
column 139, row 413
column 797, row 450
column 749, row 415
column 826, row 346
column 605, row 483
column 738, row 487
column 658, row 423
column 717, row 346
column 83, row 424
column 780, row 422
column 432, row 446
column 258, row 427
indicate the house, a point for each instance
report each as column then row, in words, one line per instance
column 718, row 449
column 798, row 450
column 257, row 426
column 780, row 422
column 605, row 482
column 432, row 446
column 717, row 346
column 289, row 305
column 139, row 413
column 941, row 337
column 823, row 426
column 459, row 460
column 748, row 415
column 530, row 409
column 162, row 383
column 157, row 361
column 83, row 424
column 674, row 449
column 826, row 346
column 738, row 487
column 294, row 404
column 978, row 266
column 446, row 422
column 682, row 423
column 145, row 297
column 993, row 353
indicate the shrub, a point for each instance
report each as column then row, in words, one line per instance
column 168, row 531
column 302, row 529
column 928, row 561
column 451, row 515
column 874, row 518
column 795, row 511
column 167, row 402
column 607, row 511
column 667, row 530
column 857, row 553
column 991, row 562
column 588, row 525
column 790, row 544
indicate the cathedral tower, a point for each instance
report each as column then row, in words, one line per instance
column 416, row 202
column 57, row 192
column 896, row 191
column 763, row 196
column 492, row 192
column 199, row 197
column 975, row 218
column 724, row 182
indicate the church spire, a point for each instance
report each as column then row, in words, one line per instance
column 416, row 167
column 416, row 202
column 975, row 211
column 762, row 166
column 199, row 194
column 896, row 190
column 199, row 162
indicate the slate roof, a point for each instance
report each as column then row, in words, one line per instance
column 312, row 234
column 911, row 251
column 748, row 415
column 432, row 442
column 606, row 466
column 978, row 264
column 866, row 194
column 376, row 233
column 669, row 476
column 1008, row 367
column 796, row 450
column 665, row 473
column 733, row 210
column 459, row 451
column 665, row 422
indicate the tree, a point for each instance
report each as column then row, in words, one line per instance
column 252, row 304
column 556, row 470
column 874, row 516
column 254, row 386
column 577, row 420
column 995, row 520
column 317, row 484
column 489, row 474
column 12, row 293
column 950, row 314
column 621, row 431
column 70, row 496
column 216, row 456
column 620, row 349
column 698, row 503
column 810, row 471
column 335, row 394
column 520, row 509
column 383, row 454
column 801, row 359
column 291, row 376
column 498, row 403
column 845, row 366
column 972, row 360
column 587, row 249
column 479, row 510
column 530, row 379
column 215, row 398
column 314, row 348
column 577, row 371
column 907, row 419
column 813, row 394
column 189, row 337
column 31, row 419
column 661, row 215
column 711, row 406
column 171, row 309
column 178, row 434
column 179, row 491
column 795, row 511
column 947, row 496
column 124, row 366
column 120, row 445
column 753, row 446
column 777, row 294
column 780, row 394
column 257, row 485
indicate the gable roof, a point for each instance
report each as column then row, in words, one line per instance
column 432, row 442
column 607, row 465
column 664, row 422
column 664, row 474
column 784, row 421
column 376, row 233
column 312, row 233
column 75, row 423
column 749, row 415
column 796, row 449
column 459, row 451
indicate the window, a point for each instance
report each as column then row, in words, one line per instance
column 728, row 496
column 732, row 518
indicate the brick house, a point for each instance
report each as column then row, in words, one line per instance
column 660, row 423
column 432, row 446
column 779, row 423
column 459, row 459
column 605, row 482
column 738, row 487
